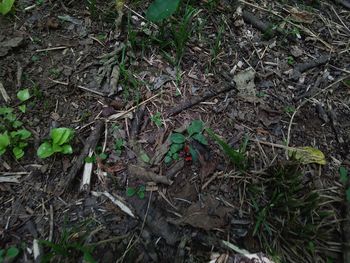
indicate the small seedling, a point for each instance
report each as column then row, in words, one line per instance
column 290, row 60
column 58, row 143
column 119, row 146
column 180, row 142
column 23, row 95
column 289, row 109
column 237, row 157
column 70, row 246
column 11, row 136
column 8, row 255
column 6, row 6
column 139, row 191
column 157, row 119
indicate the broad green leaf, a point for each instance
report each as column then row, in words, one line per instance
column 196, row 126
column 167, row 159
column 177, row 138
column 103, row 156
column 6, row 6
column 175, row 156
column 23, row 134
column 57, row 148
column 161, row 9
column 18, row 152
column 16, row 124
column 90, row 159
column 5, row 110
column 12, row 252
column 61, row 136
column 130, row 191
column 200, row 137
column 45, row 150
column 23, row 95
column 343, row 172
column 307, row 155
column 144, row 157
column 67, row 149
column 141, row 194
column 176, row 147
column 22, row 108
column 4, row 142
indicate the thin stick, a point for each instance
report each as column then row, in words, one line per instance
column 51, row 49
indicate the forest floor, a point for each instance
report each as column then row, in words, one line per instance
column 189, row 132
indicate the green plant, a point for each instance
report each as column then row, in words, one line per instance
column 216, row 48
column 344, row 177
column 290, row 60
column 289, row 109
column 161, row 9
column 157, row 119
column 181, row 142
column 58, row 143
column 8, row 255
column 237, row 157
column 139, row 191
column 287, row 213
column 11, row 135
column 23, row 95
column 70, row 246
column 119, row 146
column 6, row 6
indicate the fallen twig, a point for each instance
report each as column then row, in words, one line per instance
column 90, row 144
column 194, row 101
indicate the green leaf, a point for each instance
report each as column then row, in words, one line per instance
column 18, row 152
column 103, row 156
column 45, row 150
column 177, row 138
column 4, row 142
column 176, row 147
column 67, row 149
column 200, row 137
column 161, row 9
column 23, row 134
column 16, row 124
column 194, row 154
column 5, row 110
column 12, row 252
column 196, row 126
column 61, row 136
column 144, row 157
column 22, row 108
column 175, row 156
column 6, row 6
column 130, row 191
column 141, row 194
column 343, row 172
column 167, row 159
column 348, row 194
column 90, row 159
column 23, row 95
column 236, row 157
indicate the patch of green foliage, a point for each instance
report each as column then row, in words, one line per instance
column 9, row 255
column 344, row 177
column 58, row 143
column 157, row 119
column 70, row 246
column 236, row 157
column 288, row 214
column 161, row 9
column 179, row 141
column 6, row 6
column 12, row 135
column 138, row 191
